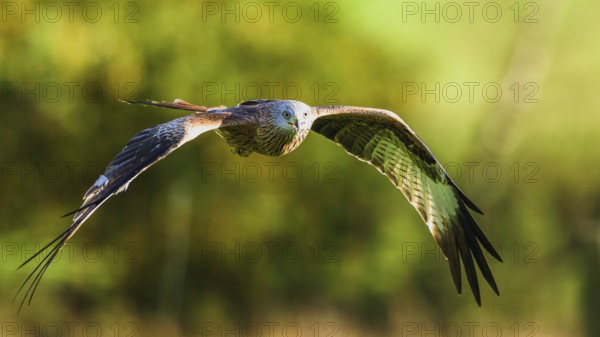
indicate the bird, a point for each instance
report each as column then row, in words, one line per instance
column 277, row 127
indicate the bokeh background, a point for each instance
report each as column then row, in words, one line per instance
column 314, row 243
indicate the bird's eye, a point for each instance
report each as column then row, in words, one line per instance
column 287, row 114
column 306, row 114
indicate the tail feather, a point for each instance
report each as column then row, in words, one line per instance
column 36, row 275
column 177, row 104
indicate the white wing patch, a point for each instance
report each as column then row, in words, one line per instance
column 192, row 131
column 101, row 181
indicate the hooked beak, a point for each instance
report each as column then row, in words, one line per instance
column 295, row 123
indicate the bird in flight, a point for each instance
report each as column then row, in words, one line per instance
column 277, row 127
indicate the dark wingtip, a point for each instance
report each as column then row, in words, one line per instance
column 495, row 254
column 470, row 204
column 495, row 289
column 474, row 237
column 462, row 244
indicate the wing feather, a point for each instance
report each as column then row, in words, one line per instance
column 381, row 138
column 142, row 151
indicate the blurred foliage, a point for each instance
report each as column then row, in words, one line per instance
column 207, row 242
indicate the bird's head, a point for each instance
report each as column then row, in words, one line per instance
column 292, row 116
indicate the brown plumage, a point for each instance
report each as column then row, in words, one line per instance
column 274, row 128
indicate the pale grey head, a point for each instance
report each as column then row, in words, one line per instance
column 286, row 124
column 280, row 127
column 290, row 115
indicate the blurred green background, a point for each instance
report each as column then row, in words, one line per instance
column 314, row 243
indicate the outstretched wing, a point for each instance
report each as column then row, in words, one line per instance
column 381, row 138
column 142, row 151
